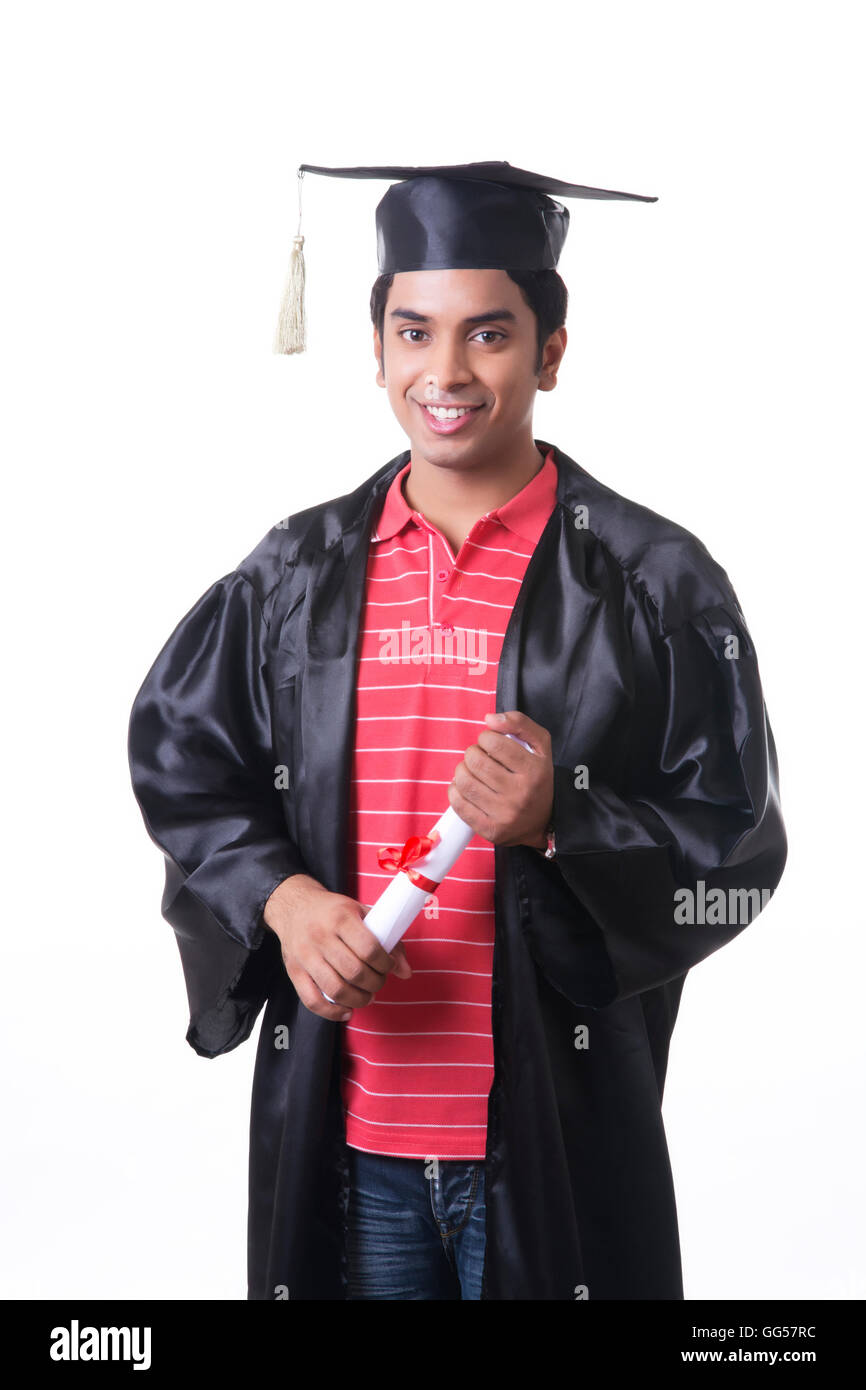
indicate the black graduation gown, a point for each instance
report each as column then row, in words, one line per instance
column 619, row 645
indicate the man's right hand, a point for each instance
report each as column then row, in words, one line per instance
column 327, row 949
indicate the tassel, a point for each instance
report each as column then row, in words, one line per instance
column 291, row 336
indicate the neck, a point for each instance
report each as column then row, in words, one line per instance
column 454, row 498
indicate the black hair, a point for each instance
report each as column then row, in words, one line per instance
column 543, row 290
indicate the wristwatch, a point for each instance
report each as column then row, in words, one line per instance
column 550, row 852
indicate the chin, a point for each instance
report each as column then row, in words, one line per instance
column 454, row 459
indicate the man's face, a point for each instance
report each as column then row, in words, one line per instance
column 462, row 339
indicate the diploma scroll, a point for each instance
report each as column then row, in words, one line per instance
column 398, row 906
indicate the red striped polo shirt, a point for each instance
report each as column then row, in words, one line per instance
column 418, row 1060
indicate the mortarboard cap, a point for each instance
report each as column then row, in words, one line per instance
column 450, row 216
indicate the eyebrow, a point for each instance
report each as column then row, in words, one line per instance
column 499, row 315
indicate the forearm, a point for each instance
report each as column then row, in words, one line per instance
column 286, row 897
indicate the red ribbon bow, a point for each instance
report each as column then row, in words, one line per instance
column 396, row 857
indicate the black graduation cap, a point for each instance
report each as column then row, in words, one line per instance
column 450, row 216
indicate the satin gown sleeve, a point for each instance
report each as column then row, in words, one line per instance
column 696, row 809
column 203, row 772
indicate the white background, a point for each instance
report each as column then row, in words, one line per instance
column 714, row 371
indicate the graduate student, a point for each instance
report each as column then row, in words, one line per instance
column 476, row 1114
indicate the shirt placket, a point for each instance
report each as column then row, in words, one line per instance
column 440, row 575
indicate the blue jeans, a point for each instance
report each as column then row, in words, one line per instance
column 413, row 1236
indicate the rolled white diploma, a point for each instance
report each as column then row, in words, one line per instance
column 397, row 907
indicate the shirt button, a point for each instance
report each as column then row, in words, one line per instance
column 443, row 574
column 447, row 628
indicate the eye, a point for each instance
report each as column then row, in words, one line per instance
column 410, row 330
column 490, row 333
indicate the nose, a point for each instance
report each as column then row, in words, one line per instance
column 449, row 367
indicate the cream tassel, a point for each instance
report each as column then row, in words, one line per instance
column 290, row 336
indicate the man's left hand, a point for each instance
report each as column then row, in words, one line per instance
column 502, row 790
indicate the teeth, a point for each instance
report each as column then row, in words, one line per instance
column 444, row 412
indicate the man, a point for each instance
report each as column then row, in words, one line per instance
column 477, row 1113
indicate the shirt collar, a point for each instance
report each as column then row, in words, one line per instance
column 525, row 514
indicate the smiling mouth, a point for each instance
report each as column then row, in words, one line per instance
column 449, row 419
column 450, row 412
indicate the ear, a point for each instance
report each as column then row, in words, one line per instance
column 554, row 349
column 377, row 350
